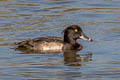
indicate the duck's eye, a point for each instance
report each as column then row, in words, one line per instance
column 76, row 30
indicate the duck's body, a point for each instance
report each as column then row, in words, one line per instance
column 47, row 44
column 56, row 44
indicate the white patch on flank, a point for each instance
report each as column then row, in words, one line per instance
column 50, row 46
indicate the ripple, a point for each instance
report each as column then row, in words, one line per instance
column 111, row 68
column 98, row 10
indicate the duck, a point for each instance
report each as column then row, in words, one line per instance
column 56, row 44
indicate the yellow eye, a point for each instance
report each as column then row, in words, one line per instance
column 76, row 30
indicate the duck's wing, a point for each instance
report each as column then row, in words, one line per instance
column 24, row 44
column 29, row 44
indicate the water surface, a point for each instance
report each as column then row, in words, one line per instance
column 26, row 19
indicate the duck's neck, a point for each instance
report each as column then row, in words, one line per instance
column 68, row 39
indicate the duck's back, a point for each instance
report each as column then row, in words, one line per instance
column 54, row 44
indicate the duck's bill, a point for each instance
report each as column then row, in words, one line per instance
column 84, row 37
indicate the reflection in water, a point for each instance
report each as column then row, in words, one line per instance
column 73, row 59
column 48, row 66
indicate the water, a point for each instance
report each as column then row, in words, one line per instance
column 24, row 19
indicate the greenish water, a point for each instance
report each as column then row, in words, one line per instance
column 24, row 19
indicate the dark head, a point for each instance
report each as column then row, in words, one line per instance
column 74, row 32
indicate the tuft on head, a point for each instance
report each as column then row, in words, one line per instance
column 76, row 28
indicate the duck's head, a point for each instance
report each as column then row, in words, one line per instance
column 74, row 32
